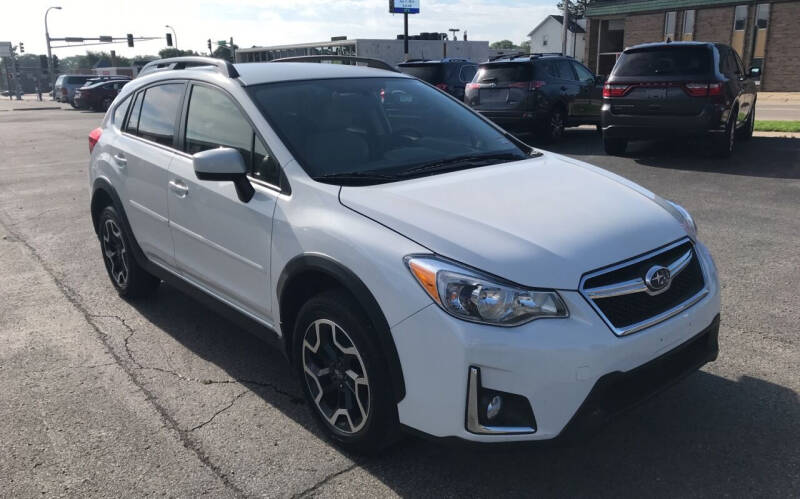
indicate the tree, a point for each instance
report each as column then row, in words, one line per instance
column 173, row 52
column 577, row 8
column 525, row 46
column 223, row 51
column 503, row 45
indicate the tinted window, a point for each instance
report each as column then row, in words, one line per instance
column 159, row 111
column 564, row 70
column 390, row 125
column 74, row 80
column 119, row 112
column 133, row 119
column 467, row 73
column 504, row 73
column 740, row 17
column 432, row 73
column 583, row 73
column 664, row 61
column 214, row 121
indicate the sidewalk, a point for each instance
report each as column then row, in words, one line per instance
column 29, row 102
column 779, row 97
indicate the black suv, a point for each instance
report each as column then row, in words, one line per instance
column 679, row 89
column 540, row 93
column 450, row 75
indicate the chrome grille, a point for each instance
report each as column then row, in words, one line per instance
column 628, row 299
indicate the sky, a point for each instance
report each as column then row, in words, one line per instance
column 259, row 22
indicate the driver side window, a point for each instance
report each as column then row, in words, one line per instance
column 213, row 120
column 583, row 73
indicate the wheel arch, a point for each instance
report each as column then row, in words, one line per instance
column 104, row 194
column 306, row 275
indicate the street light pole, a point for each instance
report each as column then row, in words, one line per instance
column 50, row 74
column 174, row 35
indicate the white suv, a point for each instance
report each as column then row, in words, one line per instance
column 421, row 268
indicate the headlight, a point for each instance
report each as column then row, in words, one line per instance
column 685, row 219
column 473, row 296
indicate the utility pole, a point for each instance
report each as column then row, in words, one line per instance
column 50, row 73
column 405, row 36
column 564, row 28
column 454, row 31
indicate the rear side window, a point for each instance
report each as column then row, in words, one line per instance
column 133, row 119
column 159, row 111
column 504, row 73
column 564, row 70
column 664, row 61
column 431, row 73
column 119, row 112
column 75, row 80
column 583, row 73
column 467, row 73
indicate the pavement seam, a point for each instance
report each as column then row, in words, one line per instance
column 169, row 422
column 310, row 491
column 233, row 401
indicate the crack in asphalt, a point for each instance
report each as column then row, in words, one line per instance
column 130, row 329
column 310, row 491
column 233, row 401
column 169, row 422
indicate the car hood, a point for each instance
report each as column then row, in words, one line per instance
column 541, row 222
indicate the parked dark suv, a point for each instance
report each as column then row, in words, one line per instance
column 98, row 95
column 450, row 75
column 541, row 93
column 679, row 89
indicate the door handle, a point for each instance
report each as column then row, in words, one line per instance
column 178, row 188
column 120, row 159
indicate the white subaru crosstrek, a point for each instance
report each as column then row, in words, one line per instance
column 420, row 268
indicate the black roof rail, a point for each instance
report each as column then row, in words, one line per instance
column 514, row 55
column 222, row 66
column 348, row 60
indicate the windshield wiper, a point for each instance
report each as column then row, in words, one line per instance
column 355, row 177
column 462, row 161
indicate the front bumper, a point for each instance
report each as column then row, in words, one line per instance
column 572, row 371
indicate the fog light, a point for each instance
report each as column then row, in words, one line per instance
column 493, row 409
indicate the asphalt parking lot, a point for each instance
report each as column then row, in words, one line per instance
column 101, row 397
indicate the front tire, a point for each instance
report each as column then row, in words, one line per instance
column 747, row 132
column 344, row 376
column 553, row 130
column 724, row 144
column 129, row 279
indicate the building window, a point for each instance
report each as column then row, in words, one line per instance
column 544, row 41
column 760, row 38
column 740, row 18
column 688, row 25
column 669, row 24
column 762, row 16
column 739, row 26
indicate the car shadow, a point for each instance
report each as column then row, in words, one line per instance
column 706, row 436
column 769, row 157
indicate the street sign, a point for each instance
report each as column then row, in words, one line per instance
column 404, row 6
column 5, row 49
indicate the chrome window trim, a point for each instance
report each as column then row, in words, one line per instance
column 631, row 286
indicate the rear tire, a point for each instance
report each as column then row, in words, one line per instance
column 746, row 133
column 106, row 104
column 129, row 279
column 344, row 376
column 553, row 129
column 725, row 143
column 615, row 147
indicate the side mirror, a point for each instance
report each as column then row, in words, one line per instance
column 754, row 72
column 224, row 164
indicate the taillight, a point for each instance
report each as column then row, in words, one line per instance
column 473, row 86
column 441, row 86
column 697, row 89
column 94, row 137
column 612, row 90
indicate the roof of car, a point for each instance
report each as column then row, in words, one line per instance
column 669, row 44
column 254, row 73
column 446, row 60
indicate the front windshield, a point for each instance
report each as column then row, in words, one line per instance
column 385, row 127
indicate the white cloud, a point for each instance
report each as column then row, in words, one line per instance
column 261, row 22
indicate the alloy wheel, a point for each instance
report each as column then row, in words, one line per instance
column 336, row 376
column 556, row 125
column 115, row 252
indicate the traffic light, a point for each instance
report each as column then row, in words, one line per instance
column 209, row 45
column 130, row 40
column 21, row 48
column 43, row 62
column 169, row 39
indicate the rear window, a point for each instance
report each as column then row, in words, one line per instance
column 664, row 61
column 431, row 73
column 504, row 73
column 76, row 79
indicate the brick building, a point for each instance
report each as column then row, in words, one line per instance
column 764, row 33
